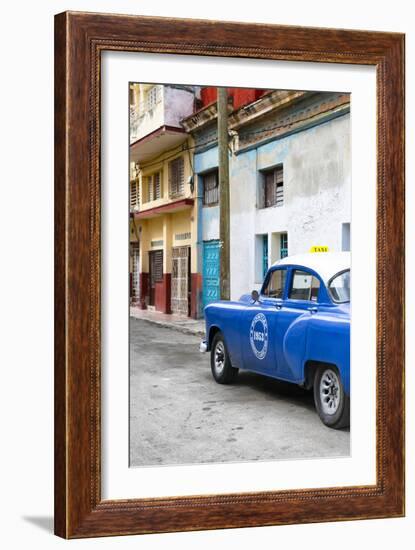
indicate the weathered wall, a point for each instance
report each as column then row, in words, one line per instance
column 205, row 161
column 178, row 104
column 240, row 96
column 181, row 226
column 173, row 104
column 210, row 223
column 317, row 196
column 145, row 120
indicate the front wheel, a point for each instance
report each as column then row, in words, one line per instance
column 332, row 404
column 220, row 362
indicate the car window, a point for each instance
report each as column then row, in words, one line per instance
column 339, row 287
column 275, row 284
column 304, row 286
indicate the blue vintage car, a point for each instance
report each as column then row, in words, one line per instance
column 296, row 329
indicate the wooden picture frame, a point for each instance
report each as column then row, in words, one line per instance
column 79, row 40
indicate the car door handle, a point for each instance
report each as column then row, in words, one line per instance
column 312, row 309
column 278, row 306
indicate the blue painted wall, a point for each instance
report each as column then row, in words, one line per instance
column 209, row 216
column 206, row 160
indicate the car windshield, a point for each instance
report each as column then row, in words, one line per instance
column 339, row 287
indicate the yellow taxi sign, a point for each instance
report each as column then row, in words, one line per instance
column 319, row 249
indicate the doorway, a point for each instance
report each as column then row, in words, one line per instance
column 180, row 280
column 155, row 273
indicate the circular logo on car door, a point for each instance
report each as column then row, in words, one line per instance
column 258, row 335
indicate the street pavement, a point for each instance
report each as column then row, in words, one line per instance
column 180, row 415
column 187, row 325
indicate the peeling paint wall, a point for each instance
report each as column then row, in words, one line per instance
column 208, row 160
column 317, row 196
column 210, row 223
column 171, row 105
column 178, row 104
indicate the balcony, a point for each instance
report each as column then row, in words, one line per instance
column 155, row 117
column 166, row 208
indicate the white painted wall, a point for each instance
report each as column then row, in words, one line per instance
column 317, row 197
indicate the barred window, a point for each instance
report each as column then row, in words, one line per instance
column 176, row 176
column 152, row 97
column 273, row 187
column 154, row 186
column 211, row 188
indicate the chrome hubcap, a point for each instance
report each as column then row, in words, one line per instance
column 219, row 358
column 329, row 392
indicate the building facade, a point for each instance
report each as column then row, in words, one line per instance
column 163, row 206
column 290, row 182
column 202, row 125
column 290, row 188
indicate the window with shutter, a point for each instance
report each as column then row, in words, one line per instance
column 176, row 177
column 279, row 186
column 134, row 195
column 211, row 188
column 154, row 186
column 157, row 185
column 150, row 188
column 269, row 190
column 273, row 187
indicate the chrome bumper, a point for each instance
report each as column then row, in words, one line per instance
column 203, row 346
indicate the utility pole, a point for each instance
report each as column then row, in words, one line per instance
column 224, row 230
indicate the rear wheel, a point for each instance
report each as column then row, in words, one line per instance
column 222, row 370
column 332, row 404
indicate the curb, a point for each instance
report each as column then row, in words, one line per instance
column 177, row 328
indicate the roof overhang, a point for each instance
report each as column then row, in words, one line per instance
column 273, row 101
column 152, row 145
column 203, row 116
column 169, row 208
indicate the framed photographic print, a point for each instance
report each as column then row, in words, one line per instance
column 229, row 213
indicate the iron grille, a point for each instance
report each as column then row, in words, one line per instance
column 211, row 188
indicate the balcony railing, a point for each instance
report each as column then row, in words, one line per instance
column 136, row 116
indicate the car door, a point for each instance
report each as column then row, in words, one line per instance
column 259, row 324
column 302, row 301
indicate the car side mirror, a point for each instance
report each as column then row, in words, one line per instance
column 255, row 295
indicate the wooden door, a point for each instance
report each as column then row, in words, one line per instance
column 155, row 274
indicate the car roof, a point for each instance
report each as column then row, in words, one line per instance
column 326, row 264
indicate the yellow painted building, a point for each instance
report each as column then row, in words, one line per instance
column 164, row 217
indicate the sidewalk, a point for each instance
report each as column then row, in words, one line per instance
column 180, row 323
